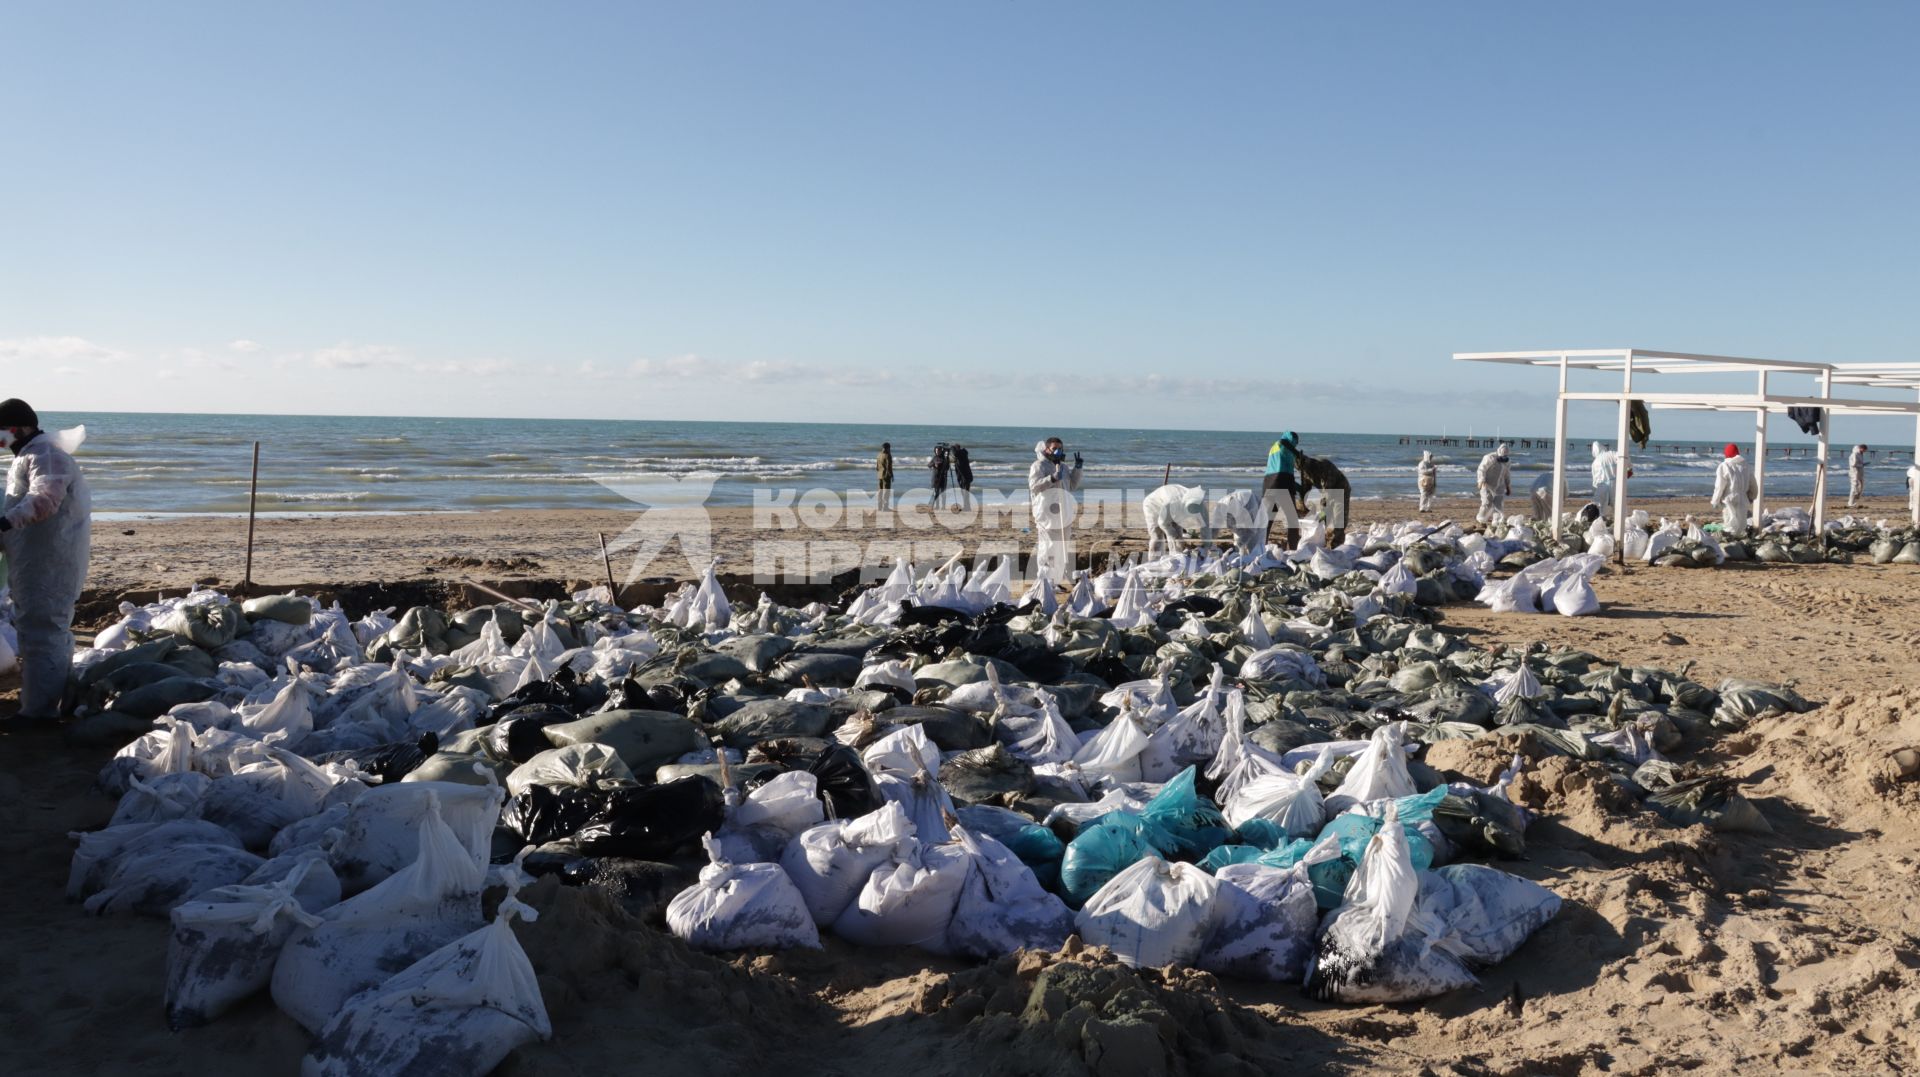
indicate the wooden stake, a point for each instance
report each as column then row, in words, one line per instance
column 1167, row 475
column 613, row 593
column 253, row 494
column 521, row 602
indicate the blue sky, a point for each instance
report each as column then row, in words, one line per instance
column 1231, row 215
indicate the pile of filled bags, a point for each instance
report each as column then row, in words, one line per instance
column 1211, row 760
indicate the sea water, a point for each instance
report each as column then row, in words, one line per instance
column 174, row 463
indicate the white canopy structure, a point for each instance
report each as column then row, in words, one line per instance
column 1646, row 362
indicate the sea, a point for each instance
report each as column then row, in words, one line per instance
column 154, row 463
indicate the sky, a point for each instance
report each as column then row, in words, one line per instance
column 1212, row 216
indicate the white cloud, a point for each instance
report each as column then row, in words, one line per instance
column 680, row 366
column 466, row 368
column 59, row 350
column 68, row 371
column 1288, row 390
column 350, row 356
column 244, row 345
column 756, row 371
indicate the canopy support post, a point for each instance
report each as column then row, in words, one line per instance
column 1560, row 451
column 1760, row 457
column 1620, row 477
column 1820, row 469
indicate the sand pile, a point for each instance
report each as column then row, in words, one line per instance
column 1060, row 1012
column 603, row 971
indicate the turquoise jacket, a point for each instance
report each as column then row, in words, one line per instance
column 1280, row 457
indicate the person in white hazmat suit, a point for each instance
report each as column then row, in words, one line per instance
column 1856, row 475
column 1050, row 487
column 46, row 533
column 1606, row 472
column 1913, row 493
column 1734, row 489
column 1426, row 477
column 1174, row 514
column 1495, row 480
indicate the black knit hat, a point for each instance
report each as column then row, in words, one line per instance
column 16, row 412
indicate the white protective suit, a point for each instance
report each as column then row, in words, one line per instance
column 1426, row 475
column 49, row 511
column 1734, row 489
column 1238, row 513
column 1174, row 513
column 1856, row 475
column 1050, row 488
column 1495, row 480
column 1913, row 493
column 1540, row 498
column 1606, row 472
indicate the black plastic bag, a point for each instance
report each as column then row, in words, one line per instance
column 545, row 693
column 912, row 613
column 547, row 813
column 583, row 696
column 649, row 822
column 391, row 762
column 844, row 783
column 519, row 734
column 989, row 639
column 631, row 695
column 1204, row 605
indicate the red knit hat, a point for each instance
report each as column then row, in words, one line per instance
column 1732, row 449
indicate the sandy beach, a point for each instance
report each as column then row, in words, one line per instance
column 1678, row 949
column 175, row 552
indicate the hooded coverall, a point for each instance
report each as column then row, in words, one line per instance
column 1050, row 487
column 49, row 512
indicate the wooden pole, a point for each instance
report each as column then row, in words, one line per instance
column 613, row 593
column 521, row 602
column 1167, row 475
column 253, row 494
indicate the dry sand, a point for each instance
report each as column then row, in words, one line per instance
column 1677, row 950
column 176, row 552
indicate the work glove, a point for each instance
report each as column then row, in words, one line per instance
column 1076, row 461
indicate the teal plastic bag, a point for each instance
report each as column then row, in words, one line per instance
column 1193, row 822
column 1262, row 833
column 1099, row 852
column 1353, row 830
column 1230, row 854
column 1040, row 850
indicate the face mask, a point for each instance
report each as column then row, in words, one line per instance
column 1057, row 455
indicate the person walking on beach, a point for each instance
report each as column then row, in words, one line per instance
column 1050, row 487
column 883, row 474
column 1856, row 475
column 940, row 463
column 963, row 475
column 1426, row 477
column 1277, row 489
column 1913, row 492
column 1495, row 480
column 1734, row 489
column 46, row 533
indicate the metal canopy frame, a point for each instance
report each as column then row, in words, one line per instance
column 1650, row 361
